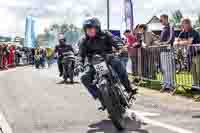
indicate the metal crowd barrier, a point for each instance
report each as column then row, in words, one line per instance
column 173, row 67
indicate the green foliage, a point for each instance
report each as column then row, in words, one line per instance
column 176, row 17
column 5, row 39
column 197, row 24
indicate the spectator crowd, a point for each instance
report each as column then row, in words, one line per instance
column 12, row 56
column 152, row 54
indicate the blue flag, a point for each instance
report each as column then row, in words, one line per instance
column 128, row 14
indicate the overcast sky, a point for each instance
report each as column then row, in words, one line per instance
column 14, row 12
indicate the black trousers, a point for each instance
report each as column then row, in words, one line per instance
column 59, row 62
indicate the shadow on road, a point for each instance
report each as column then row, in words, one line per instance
column 196, row 116
column 106, row 126
column 67, row 83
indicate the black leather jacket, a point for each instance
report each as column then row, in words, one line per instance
column 60, row 49
column 102, row 44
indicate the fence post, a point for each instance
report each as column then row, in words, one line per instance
column 139, row 67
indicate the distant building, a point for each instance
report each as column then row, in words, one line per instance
column 19, row 40
column 30, row 37
column 156, row 27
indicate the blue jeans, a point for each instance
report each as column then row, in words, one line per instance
column 168, row 68
column 117, row 66
column 124, row 61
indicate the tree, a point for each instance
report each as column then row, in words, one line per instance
column 176, row 17
column 55, row 27
column 64, row 28
column 197, row 24
column 5, row 39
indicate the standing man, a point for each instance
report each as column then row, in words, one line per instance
column 190, row 37
column 167, row 54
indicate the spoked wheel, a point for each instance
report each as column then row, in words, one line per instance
column 113, row 106
column 65, row 72
column 71, row 72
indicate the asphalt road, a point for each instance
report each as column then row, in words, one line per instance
column 31, row 101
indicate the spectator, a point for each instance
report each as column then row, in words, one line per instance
column 42, row 57
column 50, row 57
column 132, row 51
column 17, row 56
column 123, row 53
column 32, row 56
column 148, row 39
column 5, row 56
column 167, row 54
column 1, row 56
column 37, row 58
column 11, row 56
column 191, row 37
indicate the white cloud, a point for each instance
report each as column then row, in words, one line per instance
column 14, row 12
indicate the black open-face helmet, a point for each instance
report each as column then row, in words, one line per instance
column 92, row 22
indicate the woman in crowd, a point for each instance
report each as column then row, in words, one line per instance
column 132, row 51
column 11, row 56
column 1, row 56
column 5, row 56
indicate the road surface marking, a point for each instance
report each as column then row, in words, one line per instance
column 147, row 114
column 5, row 128
column 141, row 116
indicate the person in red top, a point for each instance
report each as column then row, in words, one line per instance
column 11, row 56
column 131, row 43
column 5, row 56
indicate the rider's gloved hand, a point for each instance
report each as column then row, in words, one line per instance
column 79, row 69
column 132, row 89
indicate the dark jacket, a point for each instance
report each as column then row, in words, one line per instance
column 168, row 34
column 60, row 49
column 193, row 50
column 102, row 44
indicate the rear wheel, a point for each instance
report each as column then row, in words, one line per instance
column 113, row 105
column 71, row 71
column 65, row 72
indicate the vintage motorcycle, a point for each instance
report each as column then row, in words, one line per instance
column 68, row 63
column 110, row 91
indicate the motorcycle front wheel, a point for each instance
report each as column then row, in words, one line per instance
column 113, row 105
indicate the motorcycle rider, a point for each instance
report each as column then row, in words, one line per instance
column 97, row 41
column 60, row 49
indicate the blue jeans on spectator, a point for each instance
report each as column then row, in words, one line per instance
column 168, row 69
column 134, row 64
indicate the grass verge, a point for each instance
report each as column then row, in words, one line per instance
column 183, row 85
